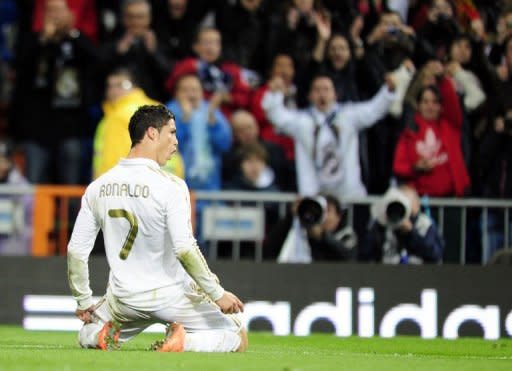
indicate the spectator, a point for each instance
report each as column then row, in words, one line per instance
column 391, row 42
column 203, row 133
column 16, row 233
column 216, row 76
column 349, row 73
column 246, row 132
column 504, row 80
column 496, row 172
column 433, row 73
column 326, row 135
column 53, row 75
column 295, row 29
column 176, row 23
column 400, row 233
column 503, row 31
column 460, row 67
column 468, row 84
column 112, row 140
column 440, row 29
column 299, row 238
column 138, row 49
column 335, row 60
column 84, row 14
column 254, row 173
column 428, row 154
column 391, row 47
column 283, row 67
column 244, row 29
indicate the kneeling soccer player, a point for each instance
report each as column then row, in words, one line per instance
column 157, row 273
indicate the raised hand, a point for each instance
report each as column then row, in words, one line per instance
column 124, row 44
column 323, row 25
column 389, row 80
column 277, row 84
column 149, row 39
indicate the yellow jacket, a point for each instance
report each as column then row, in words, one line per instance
column 112, row 139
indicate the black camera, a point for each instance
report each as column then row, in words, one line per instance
column 393, row 31
column 311, row 210
column 443, row 17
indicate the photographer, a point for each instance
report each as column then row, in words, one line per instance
column 314, row 231
column 400, row 233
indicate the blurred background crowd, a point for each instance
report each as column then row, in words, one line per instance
column 344, row 97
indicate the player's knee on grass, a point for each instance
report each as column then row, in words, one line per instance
column 244, row 341
column 88, row 335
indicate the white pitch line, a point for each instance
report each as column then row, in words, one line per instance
column 32, row 346
column 392, row 355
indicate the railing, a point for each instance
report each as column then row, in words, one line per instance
column 55, row 208
column 438, row 208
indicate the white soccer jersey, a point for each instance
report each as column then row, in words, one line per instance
column 145, row 217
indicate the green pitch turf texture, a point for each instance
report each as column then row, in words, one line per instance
column 34, row 350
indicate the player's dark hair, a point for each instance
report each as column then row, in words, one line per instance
column 145, row 117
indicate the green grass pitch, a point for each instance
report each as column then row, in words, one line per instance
column 31, row 350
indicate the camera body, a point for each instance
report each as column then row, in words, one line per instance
column 393, row 31
column 311, row 210
column 392, row 209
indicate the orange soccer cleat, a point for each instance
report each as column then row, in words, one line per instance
column 174, row 342
column 108, row 337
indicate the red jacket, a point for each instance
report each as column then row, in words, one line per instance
column 267, row 131
column 240, row 89
column 435, row 140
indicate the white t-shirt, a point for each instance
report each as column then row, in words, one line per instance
column 145, row 217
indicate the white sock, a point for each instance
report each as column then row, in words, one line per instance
column 88, row 335
column 212, row 341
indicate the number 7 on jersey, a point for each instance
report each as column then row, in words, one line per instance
column 132, row 233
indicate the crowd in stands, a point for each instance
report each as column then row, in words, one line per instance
column 311, row 96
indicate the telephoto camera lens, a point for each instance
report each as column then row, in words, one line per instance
column 395, row 212
column 311, row 211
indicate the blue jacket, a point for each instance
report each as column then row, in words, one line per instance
column 218, row 137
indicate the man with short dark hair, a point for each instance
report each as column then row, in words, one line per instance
column 157, row 273
column 326, row 134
